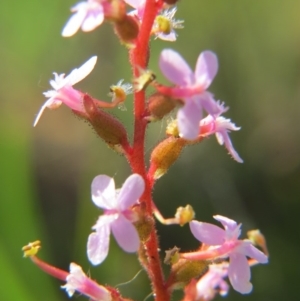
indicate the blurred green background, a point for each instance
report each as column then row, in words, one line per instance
column 46, row 171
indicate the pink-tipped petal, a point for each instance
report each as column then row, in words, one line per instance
column 207, row 233
column 175, row 68
column 131, row 191
column 98, row 245
column 125, row 234
column 253, row 252
column 188, row 118
column 76, row 20
column 103, row 192
column 239, row 273
column 80, row 73
column 206, row 68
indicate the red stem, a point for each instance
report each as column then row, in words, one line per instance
column 139, row 58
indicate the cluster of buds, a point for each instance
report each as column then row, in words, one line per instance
column 128, row 212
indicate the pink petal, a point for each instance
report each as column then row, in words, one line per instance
column 171, row 37
column 206, row 68
column 207, row 233
column 78, row 74
column 98, row 245
column 48, row 103
column 125, row 234
column 131, row 191
column 175, row 68
column 227, row 223
column 93, row 19
column 210, row 105
column 239, row 273
column 134, row 3
column 103, row 192
column 188, row 119
column 76, row 20
column 223, row 136
column 253, row 252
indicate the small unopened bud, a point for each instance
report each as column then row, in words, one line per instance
column 159, row 106
column 185, row 270
column 185, row 214
column 106, row 126
column 127, row 29
column 164, row 155
column 114, row 10
column 144, row 227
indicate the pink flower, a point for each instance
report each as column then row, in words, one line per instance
column 221, row 127
column 213, row 282
column 78, row 281
column 191, row 86
column 117, row 216
column 225, row 243
column 87, row 15
column 165, row 24
column 64, row 92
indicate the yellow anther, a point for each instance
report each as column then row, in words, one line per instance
column 32, row 248
column 184, row 214
column 163, row 24
column 117, row 93
column 146, row 77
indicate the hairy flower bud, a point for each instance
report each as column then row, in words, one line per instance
column 164, row 155
column 185, row 270
column 106, row 126
column 127, row 29
column 159, row 106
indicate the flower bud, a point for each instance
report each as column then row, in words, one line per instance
column 114, row 10
column 159, row 106
column 107, row 127
column 164, row 155
column 127, row 29
column 186, row 270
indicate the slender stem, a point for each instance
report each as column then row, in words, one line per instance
column 139, row 58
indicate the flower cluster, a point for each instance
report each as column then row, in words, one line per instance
column 128, row 212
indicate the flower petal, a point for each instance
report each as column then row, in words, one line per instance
column 76, row 20
column 239, row 273
column 175, row 68
column 207, row 233
column 48, row 103
column 103, row 192
column 206, row 68
column 253, row 252
column 98, row 244
column 227, row 223
column 188, row 119
column 80, row 73
column 131, row 191
column 125, row 234
column 93, row 19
